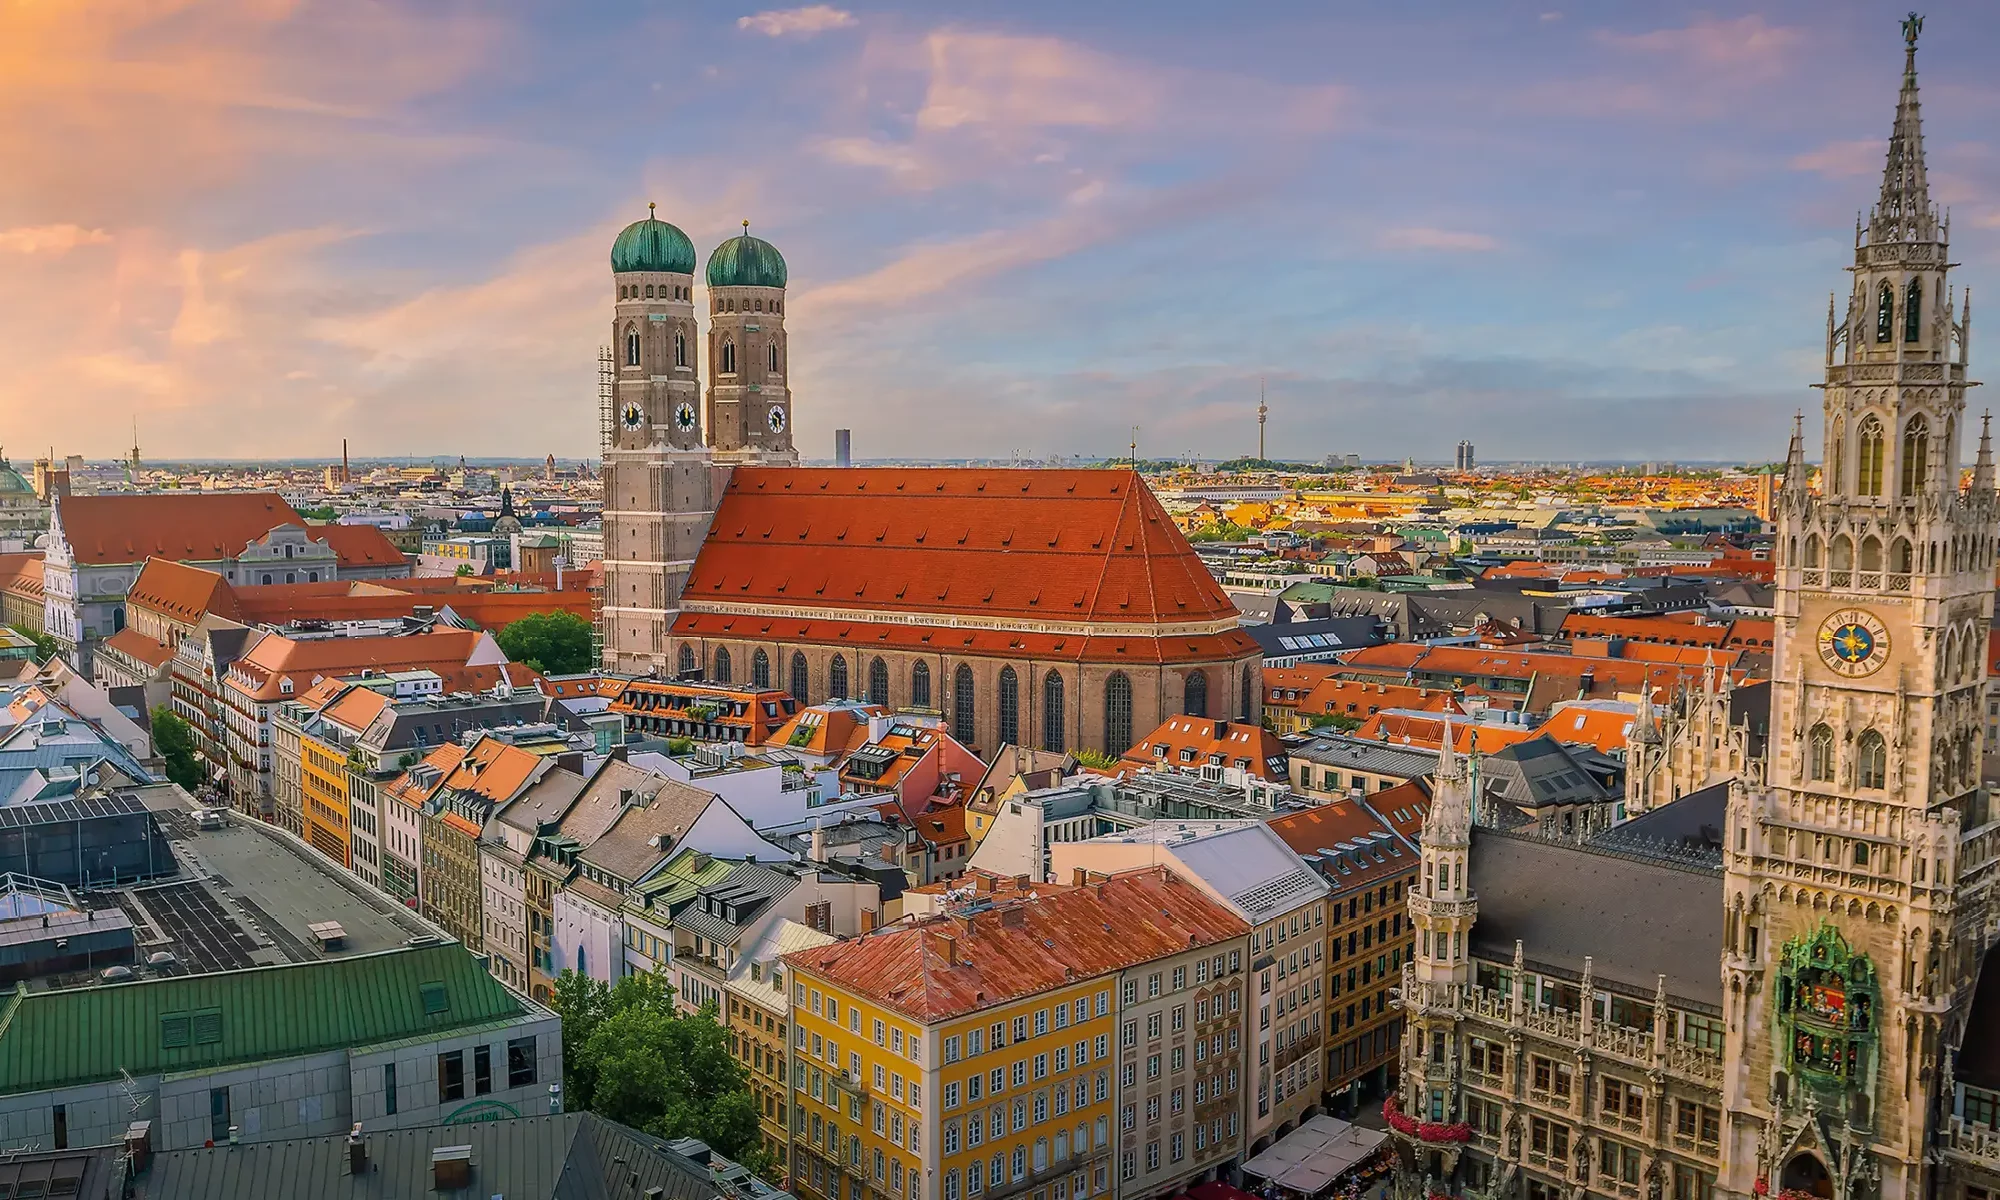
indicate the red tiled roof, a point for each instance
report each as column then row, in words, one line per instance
column 1236, row 743
column 21, row 574
column 282, row 603
column 358, row 545
column 191, row 527
column 941, row 967
column 306, row 661
column 1034, row 545
column 181, row 593
column 139, row 648
column 994, row 643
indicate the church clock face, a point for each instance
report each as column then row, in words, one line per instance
column 1853, row 642
column 633, row 416
column 776, row 417
column 684, row 418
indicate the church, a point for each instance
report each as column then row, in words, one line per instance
column 1779, row 982
column 1059, row 609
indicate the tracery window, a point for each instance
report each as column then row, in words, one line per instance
column 1916, row 455
column 1871, row 760
column 1868, row 466
column 1819, row 754
column 1117, row 714
column 1010, row 707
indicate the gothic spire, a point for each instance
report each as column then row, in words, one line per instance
column 1904, row 211
column 1982, row 466
column 1449, row 821
column 1795, row 458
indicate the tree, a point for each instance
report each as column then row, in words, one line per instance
column 463, row 569
column 46, row 647
column 174, row 742
column 629, row 1057
column 554, row 643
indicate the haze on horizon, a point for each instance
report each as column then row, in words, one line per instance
column 1596, row 232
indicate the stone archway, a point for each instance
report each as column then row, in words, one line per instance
column 1804, row 1172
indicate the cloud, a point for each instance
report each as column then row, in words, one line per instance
column 1745, row 44
column 999, row 80
column 1842, row 160
column 1420, row 237
column 50, row 239
column 800, row 22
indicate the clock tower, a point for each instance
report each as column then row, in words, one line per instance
column 1857, row 861
column 749, row 362
column 660, row 481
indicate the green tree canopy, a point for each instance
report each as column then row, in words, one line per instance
column 174, row 742
column 554, row 643
column 46, row 647
column 630, row 1057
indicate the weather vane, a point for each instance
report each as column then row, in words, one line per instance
column 1912, row 26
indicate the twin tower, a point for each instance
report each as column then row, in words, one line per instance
column 670, row 449
column 747, row 413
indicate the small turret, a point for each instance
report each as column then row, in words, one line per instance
column 1982, row 466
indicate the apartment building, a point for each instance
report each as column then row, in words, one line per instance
column 969, row 1054
column 756, row 1010
column 1249, row 869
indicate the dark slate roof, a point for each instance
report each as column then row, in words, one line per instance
column 90, row 1173
column 1750, row 704
column 569, row 1156
column 750, row 888
column 1979, row 1058
column 1540, row 773
column 1317, row 636
column 1636, row 918
column 1688, row 830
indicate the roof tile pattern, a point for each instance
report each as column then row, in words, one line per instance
column 196, row 527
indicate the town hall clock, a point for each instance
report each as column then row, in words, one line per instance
column 1853, row 642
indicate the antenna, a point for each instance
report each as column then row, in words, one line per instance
column 1135, row 447
column 1263, row 410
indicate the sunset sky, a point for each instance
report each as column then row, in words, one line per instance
column 1600, row 230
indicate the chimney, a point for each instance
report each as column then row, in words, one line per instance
column 357, row 1151
column 818, row 842
column 950, row 949
column 451, row 1168
column 139, row 1145
column 1079, row 876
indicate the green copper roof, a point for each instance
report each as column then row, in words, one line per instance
column 652, row 245
column 200, row 1022
column 745, row 261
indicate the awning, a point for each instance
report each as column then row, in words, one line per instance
column 1311, row 1157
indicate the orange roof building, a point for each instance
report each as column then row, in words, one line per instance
column 1189, row 744
column 1055, row 608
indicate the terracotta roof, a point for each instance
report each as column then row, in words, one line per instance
column 1037, row 545
column 357, row 709
column 444, row 760
column 358, row 545
column 993, row 643
column 834, row 729
column 941, row 967
column 1190, row 742
column 1602, row 729
column 494, row 770
column 258, row 674
column 1342, row 840
column 1300, row 677
column 361, row 600
column 139, row 648
column 1364, row 698
column 190, row 527
column 21, row 574
column 182, row 593
column 1427, row 732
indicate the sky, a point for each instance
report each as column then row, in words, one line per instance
column 1565, row 231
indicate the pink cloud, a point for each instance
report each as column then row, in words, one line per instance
column 50, row 239
column 1843, row 160
column 1001, row 80
column 1450, row 240
column 801, row 22
column 1745, row 43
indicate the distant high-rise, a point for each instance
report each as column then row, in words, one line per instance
column 1465, row 459
column 843, row 447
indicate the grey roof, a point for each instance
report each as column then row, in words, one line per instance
column 1687, row 830
column 1636, row 918
column 748, row 889
column 1366, row 754
column 543, row 801
column 1541, row 773
column 1317, row 636
column 568, row 1156
column 661, row 808
column 89, row 1173
column 1243, row 862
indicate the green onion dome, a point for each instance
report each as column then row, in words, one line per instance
column 652, row 245
column 745, row 261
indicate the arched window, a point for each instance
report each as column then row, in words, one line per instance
column 687, row 659
column 836, row 678
column 760, row 669
column 1840, row 553
column 1885, row 313
column 1913, row 309
column 1902, row 560
column 1819, row 754
column 728, row 357
column 1871, row 553
column 680, row 348
column 1194, row 694
column 1117, row 714
column 1871, row 760
column 722, row 664
column 1868, row 466
column 1916, row 455
column 1052, row 712
column 1836, row 457
column 649, row 291
column 1812, row 550
column 631, row 347
column 878, row 683
column 774, row 357
column 1010, row 707
column 800, row 684
column 920, row 685
column 1248, row 699
column 961, row 704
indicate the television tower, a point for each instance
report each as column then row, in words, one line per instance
column 1263, row 411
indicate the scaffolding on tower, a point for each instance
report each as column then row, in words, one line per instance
column 606, row 375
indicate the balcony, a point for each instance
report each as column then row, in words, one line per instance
column 1972, row 1144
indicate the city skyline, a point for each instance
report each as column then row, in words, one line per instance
column 284, row 225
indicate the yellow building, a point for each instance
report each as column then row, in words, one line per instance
column 323, row 790
column 970, row 1056
column 757, row 1014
